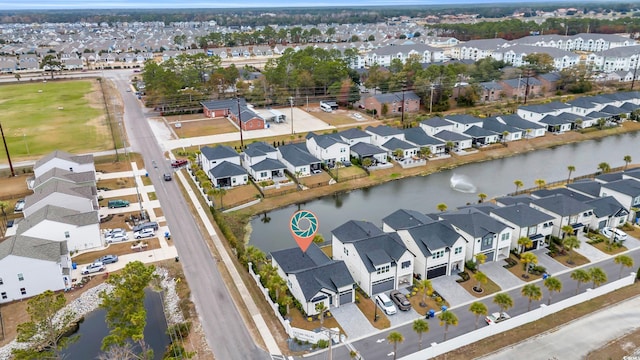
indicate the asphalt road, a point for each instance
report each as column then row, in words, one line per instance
column 376, row 347
column 224, row 328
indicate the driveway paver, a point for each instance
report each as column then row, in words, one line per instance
column 589, row 251
column 451, row 291
column 499, row 275
column 553, row 267
column 353, row 321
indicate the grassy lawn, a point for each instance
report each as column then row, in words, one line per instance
column 518, row 270
column 120, row 183
column 487, row 289
column 132, row 199
column 576, row 259
column 203, row 127
column 38, row 118
column 237, row 195
column 146, row 181
column 610, row 250
column 152, row 196
column 158, row 212
column 315, row 179
column 114, row 249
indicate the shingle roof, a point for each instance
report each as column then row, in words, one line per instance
column 520, row 123
column 353, row 133
column 327, row 140
column 58, row 214
column 268, row 164
column 383, row 130
column 59, row 154
column 231, row 105
column 218, row 152
column 476, row 131
column 420, row 138
column 463, row 119
column 474, row 222
column 447, row 135
column 559, row 191
column 562, row 205
column 493, row 124
column 354, row 230
column 628, row 187
column 293, row 260
column 227, row 169
column 396, row 97
column 366, row 149
column 589, row 187
column 331, row 276
column 297, row 154
column 433, row 236
column 34, row 248
column 395, row 143
column 522, row 215
column 436, row 122
column 62, row 174
column 380, row 249
column 57, row 186
column 404, row 219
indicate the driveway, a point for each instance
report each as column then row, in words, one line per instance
column 499, row 275
column 353, row 321
column 553, row 267
column 451, row 291
column 589, row 251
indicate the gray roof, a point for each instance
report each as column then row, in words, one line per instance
column 33, row 248
column 484, row 44
column 512, row 200
column 463, row 119
column 436, row 122
column 546, row 108
column 404, row 219
column 380, row 249
column 554, row 120
column 268, row 164
column 231, row 105
column 562, row 205
column 474, row 222
column 327, row 140
column 57, row 186
column 522, row 215
column 551, row 77
column 366, row 149
column 65, row 175
column 589, row 187
column 395, row 143
column 383, row 130
column 354, row 230
column 609, row 177
column 293, row 260
column 433, row 236
column 476, row 132
column 218, row 152
column 607, row 206
column 628, row 187
column 396, row 97
column 59, row 154
column 514, row 83
column 297, row 154
column 491, row 85
column 259, row 148
column 520, row 123
column 447, row 135
column 58, row 214
column 227, row 169
column 493, row 124
column 420, row 138
column 542, row 193
column 614, row 110
column 353, row 133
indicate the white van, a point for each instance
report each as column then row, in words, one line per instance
column 325, row 107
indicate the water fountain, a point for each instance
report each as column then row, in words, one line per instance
column 462, row 183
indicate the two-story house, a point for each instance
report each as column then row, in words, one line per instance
column 297, row 159
column 525, row 221
column 329, row 148
column 63, row 160
column 565, row 211
column 222, row 165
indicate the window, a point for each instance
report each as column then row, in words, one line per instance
column 23, row 291
column 345, row 251
column 383, row 269
column 406, row 264
column 4, row 295
column 533, row 230
column 1, row 281
column 66, row 235
column 263, row 174
column 573, row 219
column 20, row 277
column 505, row 236
column 437, row 254
column 458, row 250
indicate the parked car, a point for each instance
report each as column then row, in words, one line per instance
column 112, row 204
column 386, row 304
column 117, row 237
column 357, row 116
column 316, row 171
column 496, row 317
column 618, row 235
column 167, row 177
column 19, row 206
column 107, row 259
column 179, row 162
column 144, row 233
column 149, row 224
column 93, row 268
column 112, row 232
column 400, row 300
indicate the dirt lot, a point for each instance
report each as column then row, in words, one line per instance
column 202, row 127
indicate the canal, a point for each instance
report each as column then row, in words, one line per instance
column 270, row 231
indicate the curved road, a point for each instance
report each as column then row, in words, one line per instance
column 224, row 328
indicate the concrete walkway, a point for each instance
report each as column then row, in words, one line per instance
column 451, row 291
column 499, row 275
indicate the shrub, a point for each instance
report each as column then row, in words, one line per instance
column 471, row 265
column 183, row 328
column 322, row 344
column 538, row 270
column 464, row 276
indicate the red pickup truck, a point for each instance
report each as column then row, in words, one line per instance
column 179, row 163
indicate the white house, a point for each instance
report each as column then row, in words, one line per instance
column 63, row 160
column 210, row 157
column 535, row 113
column 382, row 134
column 565, row 211
column 298, row 160
column 59, row 193
column 313, row 278
column 434, row 125
column 378, row 261
column 329, row 148
column 607, row 211
column 625, row 191
column 57, row 174
column 525, row 221
column 439, row 249
column 31, row 266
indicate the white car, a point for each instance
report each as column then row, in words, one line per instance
column 144, row 233
column 357, row 116
column 386, row 304
column 111, row 232
column 496, row 317
column 19, row 206
column 93, row 268
column 117, row 237
column 617, row 234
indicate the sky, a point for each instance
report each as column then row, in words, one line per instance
column 186, row 4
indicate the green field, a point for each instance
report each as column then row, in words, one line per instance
column 38, row 118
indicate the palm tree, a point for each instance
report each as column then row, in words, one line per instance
column 552, row 284
column 3, row 206
column 566, row 230
column 526, row 259
column 524, row 243
column 425, row 152
column 221, row 192
column 580, row 276
column 398, row 153
column 448, row 146
column 425, row 288
column 255, row 256
column 532, row 292
column 420, row 326
column 480, row 259
column 504, row 302
column 320, row 308
column 627, row 161
column 570, row 243
column 366, row 162
column 481, row 278
column 504, row 136
column 604, row 167
column 442, row 207
column 482, row 196
column 287, row 301
column 447, row 318
column 518, row 184
column 598, row 276
column 478, row 309
column 571, row 169
column 540, row 183
column 395, row 338
column 624, row 261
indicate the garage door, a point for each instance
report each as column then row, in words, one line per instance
column 489, row 256
column 382, row 286
column 346, row 297
column 437, row 271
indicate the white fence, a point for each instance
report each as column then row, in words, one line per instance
column 410, row 162
column 536, row 314
column 204, row 196
column 295, row 333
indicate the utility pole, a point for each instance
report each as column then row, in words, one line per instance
column 291, row 103
column 431, row 101
column 240, row 125
column 404, row 85
column 526, row 89
column 6, row 149
column 635, row 71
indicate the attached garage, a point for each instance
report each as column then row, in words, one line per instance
column 382, row 286
column 490, row 256
column 346, row 297
column 437, row 271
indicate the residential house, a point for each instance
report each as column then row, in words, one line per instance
column 237, row 110
column 313, row 278
column 57, row 174
column 267, row 169
column 298, row 160
column 404, row 219
column 81, row 230
column 490, row 91
column 586, row 187
column 354, row 135
column 377, row 261
column 419, row 138
column 392, row 103
column 30, row 266
column 210, row 157
column 381, row 134
column 463, row 122
column 559, row 124
column 400, row 149
column 482, row 233
column 63, row 160
column 565, row 211
column 256, row 152
column 624, row 58
column 607, row 211
column 479, row 49
column 530, row 129
column 436, row 124
column 562, row 59
column 481, row 136
column 506, row 132
column 520, row 88
column 537, row 112
column 459, row 141
column 439, row 250
column 384, row 56
column 549, row 82
column 525, row 221
column 625, row 191
column 329, row 148
column 82, row 198
column 364, row 150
